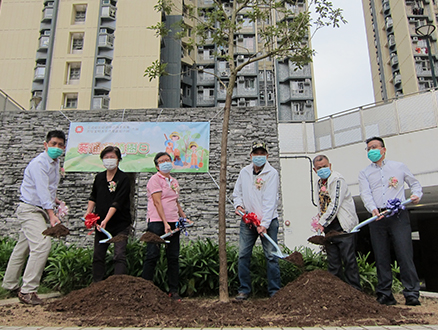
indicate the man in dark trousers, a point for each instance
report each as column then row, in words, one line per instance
column 379, row 182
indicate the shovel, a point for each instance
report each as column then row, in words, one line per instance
column 393, row 206
column 251, row 218
column 175, row 231
column 107, row 233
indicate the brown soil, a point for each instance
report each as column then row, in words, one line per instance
column 57, row 231
column 324, row 239
column 118, row 238
column 149, row 237
column 296, row 258
column 315, row 299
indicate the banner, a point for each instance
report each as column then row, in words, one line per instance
column 186, row 142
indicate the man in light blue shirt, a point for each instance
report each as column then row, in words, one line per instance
column 38, row 199
column 379, row 182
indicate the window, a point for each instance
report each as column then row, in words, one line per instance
column 74, row 73
column 298, row 108
column 71, row 101
column 249, row 83
column 79, row 13
column 77, row 43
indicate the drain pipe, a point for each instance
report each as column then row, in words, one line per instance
column 311, row 176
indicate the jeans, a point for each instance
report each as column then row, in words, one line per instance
column 99, row 255
column 395, row 230
column 341, row 256
column 247, row 239
column 172, row 254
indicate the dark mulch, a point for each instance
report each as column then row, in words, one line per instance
column 315, row 298
column 149, row 237
column 296, row 258
column 56, row 231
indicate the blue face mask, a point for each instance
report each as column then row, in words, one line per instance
column 165, row 167
column 374, row 155
column 259, row 161
column 54, row 152
column 324, row 172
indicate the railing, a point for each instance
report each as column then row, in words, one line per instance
column 7, row 103
column 411, row 113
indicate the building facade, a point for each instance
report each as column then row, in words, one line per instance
column 70, row 54
column 401, row 61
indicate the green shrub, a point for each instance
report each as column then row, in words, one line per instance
column 68, row 268
column 6, row 247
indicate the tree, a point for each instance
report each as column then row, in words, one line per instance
column 283, row 29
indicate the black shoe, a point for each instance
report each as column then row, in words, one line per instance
column 412, row 301
column 175, row 296
column 242, row 296
column 385, row 300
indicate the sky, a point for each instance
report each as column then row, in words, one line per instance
column 341, row 65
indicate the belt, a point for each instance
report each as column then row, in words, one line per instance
column 40, row 207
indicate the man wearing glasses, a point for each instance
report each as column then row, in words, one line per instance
column 36, row 207
column 379, row 182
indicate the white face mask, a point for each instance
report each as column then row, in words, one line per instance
column 110, row 163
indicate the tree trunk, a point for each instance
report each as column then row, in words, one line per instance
column 223, row 266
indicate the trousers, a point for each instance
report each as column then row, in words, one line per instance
column 31, row 243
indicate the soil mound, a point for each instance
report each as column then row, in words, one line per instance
column 118, row 238
column 56, row 231
column 118, row 295
column 318, row 297
column 315, row 298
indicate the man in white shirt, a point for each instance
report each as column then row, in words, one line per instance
column 38, row 199
column 337, row 212
column 256, row 191
column 379, row 182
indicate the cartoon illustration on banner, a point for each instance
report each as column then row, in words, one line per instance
column 186, row 142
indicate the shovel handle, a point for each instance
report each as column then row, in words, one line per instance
column 175, row 231
column 364, row 223
column 107, row 233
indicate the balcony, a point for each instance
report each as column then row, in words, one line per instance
column 44, row 42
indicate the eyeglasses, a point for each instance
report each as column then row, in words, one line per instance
column 374, row 146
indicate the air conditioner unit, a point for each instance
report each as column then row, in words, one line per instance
column 307, row 81
column 200, row 88
column 414, row 38
column 46, row 33
column 420, row 78
column 200, row 49
column 240, row 17
column 241, row 79
column 240, row 57
column 201, row 67
column 223, row 73
column 242, row 101
column 240, row 37
column 308, row 103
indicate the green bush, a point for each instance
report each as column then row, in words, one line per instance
column 70, row 268
column 6, row 246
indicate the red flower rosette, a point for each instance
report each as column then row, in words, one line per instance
column 91, row 220
column 251, row 219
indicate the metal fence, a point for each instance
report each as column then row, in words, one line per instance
column 404, row 115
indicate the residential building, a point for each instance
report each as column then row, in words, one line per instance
column 70, row 54
column 399, row 56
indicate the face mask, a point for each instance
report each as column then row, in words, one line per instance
column 324, row 172
column 259, row 161
column 54, row 152
column 374, row 155
column 165, row 167
column 109, row 163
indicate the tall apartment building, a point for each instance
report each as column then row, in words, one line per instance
column 399, row 56
column 91, row 54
